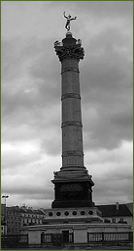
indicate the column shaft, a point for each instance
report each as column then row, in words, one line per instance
column 72, row 141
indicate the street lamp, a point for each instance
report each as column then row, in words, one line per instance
column 5, row 197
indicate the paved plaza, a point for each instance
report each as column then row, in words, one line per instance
column 128, row 247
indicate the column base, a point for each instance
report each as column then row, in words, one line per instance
column 73, row 168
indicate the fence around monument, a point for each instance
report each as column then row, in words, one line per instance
column 110, row 237
column 10, row 241
column 57, row 239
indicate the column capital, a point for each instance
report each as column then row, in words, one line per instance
column 69, row 48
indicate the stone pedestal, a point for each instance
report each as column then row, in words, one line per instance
column 73, row 184
column 81, row 215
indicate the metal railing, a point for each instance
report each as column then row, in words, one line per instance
column 18, row 240
column 110, row 237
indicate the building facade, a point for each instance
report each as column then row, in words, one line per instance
column 3, row 219
column 18, row 217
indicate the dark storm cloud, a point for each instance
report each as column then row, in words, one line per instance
column 29, row 57
column 16, row 52
column 98, row 9
column 13, row 162
column 35, row 192
column 21, row 182
column 52, row 146
column 107, row 189
column 110, row 186
column 107, row 88
column 31, row 113
column 25, row 106
column 103, row 84
column 112, row 173
column 108, row 8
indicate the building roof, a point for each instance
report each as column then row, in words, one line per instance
column 112, row 211
column 25, row 210
column 130, row 207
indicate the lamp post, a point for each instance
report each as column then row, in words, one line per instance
column 5, row 197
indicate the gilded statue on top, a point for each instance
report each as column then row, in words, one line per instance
column 69, row 19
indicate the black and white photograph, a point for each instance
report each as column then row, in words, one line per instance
column 66, row 125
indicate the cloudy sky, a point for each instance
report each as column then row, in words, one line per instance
column 31, row 90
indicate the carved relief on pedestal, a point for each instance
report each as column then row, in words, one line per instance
column 71, row 187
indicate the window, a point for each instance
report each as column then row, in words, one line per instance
column 74, row 213
column 82, row 212
column 90, row 212
column 113, row 220
column 58, row 213
column 50, row 214
column 66, row 213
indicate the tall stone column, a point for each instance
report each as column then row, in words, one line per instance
column 72, row 183
column 72, row 142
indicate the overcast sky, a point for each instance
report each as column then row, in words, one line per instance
column 31, row 90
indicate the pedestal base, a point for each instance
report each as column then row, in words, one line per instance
column 74, row 214
column 72, row 203
column 73, row 189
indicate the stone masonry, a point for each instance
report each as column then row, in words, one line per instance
column 73, row 184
